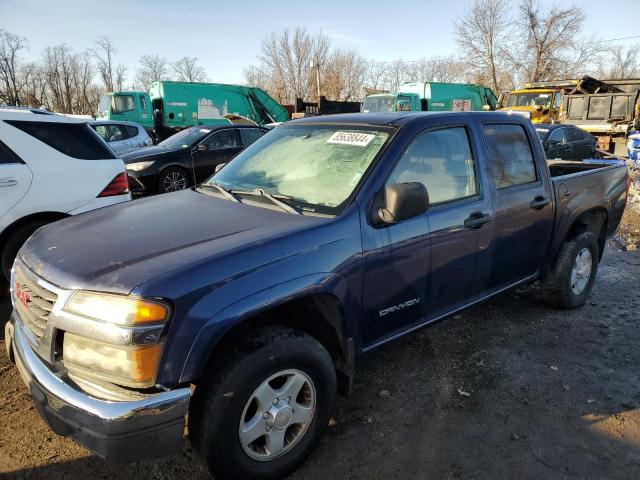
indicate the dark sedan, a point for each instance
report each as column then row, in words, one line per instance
column 187, row 158
column 566, row 141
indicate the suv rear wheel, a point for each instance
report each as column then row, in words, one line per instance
column 267, row 407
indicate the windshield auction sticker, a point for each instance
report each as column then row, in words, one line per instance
column 351, row 138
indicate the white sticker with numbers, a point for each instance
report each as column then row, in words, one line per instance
column 351, row 138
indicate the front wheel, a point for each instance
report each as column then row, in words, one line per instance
column 173, row 179
column 266, row 409
column 569, row 283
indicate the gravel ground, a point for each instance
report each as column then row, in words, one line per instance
column 508, row 389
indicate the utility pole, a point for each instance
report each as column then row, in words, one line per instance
column 316, row 65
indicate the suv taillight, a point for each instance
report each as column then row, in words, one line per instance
column 118, row 186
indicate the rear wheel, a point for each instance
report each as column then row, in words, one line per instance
column 569, row 283
column 173, row 179
column 268, row 407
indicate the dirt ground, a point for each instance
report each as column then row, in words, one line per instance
column 508, row 389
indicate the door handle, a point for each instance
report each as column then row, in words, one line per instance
column 476, row 220
column 539, row 202
column 8, row 182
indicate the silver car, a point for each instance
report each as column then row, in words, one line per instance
column 122, row 137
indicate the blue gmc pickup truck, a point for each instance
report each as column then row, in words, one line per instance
column 245, row 302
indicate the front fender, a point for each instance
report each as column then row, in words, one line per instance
column 232, row 315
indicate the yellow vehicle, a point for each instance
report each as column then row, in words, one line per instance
column 540, row 105
column 542, row 101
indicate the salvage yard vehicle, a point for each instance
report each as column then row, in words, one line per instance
column 187, row 158
column 326, row 238
column 122, row 137
column 50, row 167
column 172, row 106
column 432, row 97
column 566, row 142
column 610, row 117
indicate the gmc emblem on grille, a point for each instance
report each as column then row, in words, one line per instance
column 22, row 295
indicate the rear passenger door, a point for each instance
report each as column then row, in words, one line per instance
column 15, row 180
column 582, row 146
column 557, row 146
column 522, row 202
column 250, row 135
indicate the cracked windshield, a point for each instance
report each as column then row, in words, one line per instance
column 315, row 167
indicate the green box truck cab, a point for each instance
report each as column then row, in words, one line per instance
column 171, row 106
column 433, row 97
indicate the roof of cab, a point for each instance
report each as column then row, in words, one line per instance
column 400, row 118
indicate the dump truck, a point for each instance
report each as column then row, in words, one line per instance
column 172, row 106
column 432, row 97
column 541, row 102
column 610, row 114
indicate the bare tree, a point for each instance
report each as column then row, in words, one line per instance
column 481, row 34
column 553, row 46
column 34, row 86
column 187, row 70
column 619, row 62
column 284, row 64
column 344, row 75
column 10, row 47
column 151, row 68
column 120, row 77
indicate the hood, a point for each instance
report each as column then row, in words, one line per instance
column 115, row 249
column 149, row 153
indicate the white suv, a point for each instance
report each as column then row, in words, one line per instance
column 51, row 166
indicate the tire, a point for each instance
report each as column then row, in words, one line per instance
column 14, row 242
column 173, row 179
column 224, row 404
column 565, row 286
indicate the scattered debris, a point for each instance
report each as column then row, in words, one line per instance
column 515, row 436
column 463, row 393
column 554, row 367
column 384, row 394
column 590, row 400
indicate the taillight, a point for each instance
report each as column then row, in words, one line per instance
column 118, row 186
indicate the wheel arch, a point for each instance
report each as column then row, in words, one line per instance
column 317, row 312
column 49, row 217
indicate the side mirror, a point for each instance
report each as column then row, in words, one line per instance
column 402, row 201
column 203, row 147
column 219, row 167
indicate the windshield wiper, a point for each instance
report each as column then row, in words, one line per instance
column 275, row 200
column 226, row 193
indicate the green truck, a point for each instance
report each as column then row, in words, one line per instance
column 172, row 106
column 432, row 97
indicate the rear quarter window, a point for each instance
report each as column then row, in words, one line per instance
column 75, row 140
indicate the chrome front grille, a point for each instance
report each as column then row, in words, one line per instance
column 32, row 301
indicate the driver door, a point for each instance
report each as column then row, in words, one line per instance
column 219, row 147
column 427, row 266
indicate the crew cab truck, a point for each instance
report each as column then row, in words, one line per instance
column 432, row 97
column 172, row 106
column 249, row 310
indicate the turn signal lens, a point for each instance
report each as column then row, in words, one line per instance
column 117, row 309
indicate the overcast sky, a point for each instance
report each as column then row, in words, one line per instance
column 226, row 36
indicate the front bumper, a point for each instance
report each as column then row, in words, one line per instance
column 142, row 182
column 120, row 431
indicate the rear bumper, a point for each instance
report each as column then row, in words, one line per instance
column 123, row 431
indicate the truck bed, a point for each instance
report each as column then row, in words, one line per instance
column 582, row 185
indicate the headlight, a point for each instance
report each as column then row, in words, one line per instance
column 130, row 366
column 117, row 309
column 129, row 358
column 136, row 167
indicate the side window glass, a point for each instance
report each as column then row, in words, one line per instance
column 143, row 103
column 122, row 103
column 557, row 137
column 227, row 138
column 574, row 135
column 130, row 131
column 250, row 135
column 116, row 133
column 102, row 131
column 441, row 160
column 7, row 155
column 510, row 155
